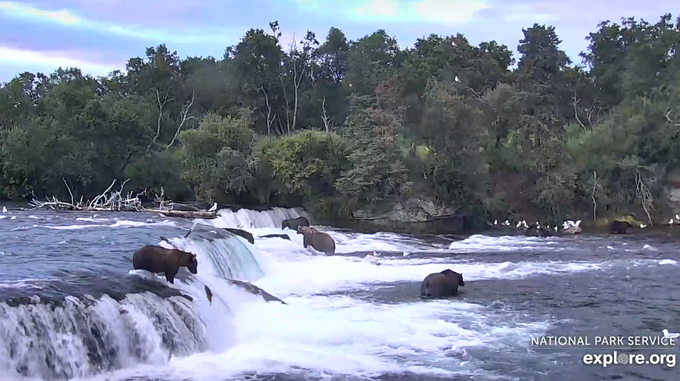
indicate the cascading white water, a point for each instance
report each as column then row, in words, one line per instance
column 248, row 219
column 221, row 253
column 84, row 336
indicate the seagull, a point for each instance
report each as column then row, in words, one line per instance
column 670, row 222
column 670, row 335
column 642, row 226
column 214, row 208
column 4, row 209
column 495, row 222
column 456, row 79
column 506, row 223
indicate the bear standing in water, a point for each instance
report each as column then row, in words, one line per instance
column 157, row 259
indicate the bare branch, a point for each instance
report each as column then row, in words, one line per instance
column 270, row 118
column 324, row 118
column 161, row 105
column 185, row 111
column 576, row 100
column 671, row 121
column 644, row 195
column 287, row 103
column 69, row 189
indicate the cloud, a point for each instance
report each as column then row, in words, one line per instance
column 69, row 19
column 53, row 60
column 451, row 12
column 61, row 16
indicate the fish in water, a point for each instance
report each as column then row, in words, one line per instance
column 208, row 294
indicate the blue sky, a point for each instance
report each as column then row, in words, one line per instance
column 100, row 35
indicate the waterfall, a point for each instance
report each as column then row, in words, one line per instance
column 249, row 219
column 76, row 334
column 221, row 253
column 84, row 336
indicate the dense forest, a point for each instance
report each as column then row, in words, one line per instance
column 340, row 126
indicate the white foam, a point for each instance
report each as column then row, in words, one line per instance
column 117, row 224
column 341, row 335
column 478, row 242
column 248, row 219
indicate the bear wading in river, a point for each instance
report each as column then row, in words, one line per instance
column 157, row 259
column 320, row 241
column 294, row 223
column 619, row 227
column 441, row 284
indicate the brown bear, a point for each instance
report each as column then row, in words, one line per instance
column 320, row 241
column 619, row 227
column 294, row 223
column 441, row 284
column 157, row 259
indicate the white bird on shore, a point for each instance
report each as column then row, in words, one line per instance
column 578, row 223
column 677, row 216
column 495, row 222
column 214, row 208
column 506, row 223
column 4, row 209
column 522, row 224
column 642, row 226
column 670, row 335
column 556, row 228
column 670, row 222
column 565, row 225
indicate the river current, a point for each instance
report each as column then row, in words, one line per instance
column 72, row 308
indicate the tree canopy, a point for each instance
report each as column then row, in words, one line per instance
column 337, row 125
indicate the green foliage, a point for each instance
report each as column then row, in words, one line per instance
column 342, row 125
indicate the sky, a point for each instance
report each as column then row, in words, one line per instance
column 99, row 36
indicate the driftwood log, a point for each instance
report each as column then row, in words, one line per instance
column 205, row 214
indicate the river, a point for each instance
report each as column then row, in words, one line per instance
column 72, row 308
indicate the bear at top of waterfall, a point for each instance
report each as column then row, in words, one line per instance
column 320, row 241
column 441, row 284
column 294, row 223
column 157, row 259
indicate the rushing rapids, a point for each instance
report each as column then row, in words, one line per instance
column 71, row 307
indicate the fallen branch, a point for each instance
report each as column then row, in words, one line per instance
column 107, row 201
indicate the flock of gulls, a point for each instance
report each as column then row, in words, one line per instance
column 569, row 226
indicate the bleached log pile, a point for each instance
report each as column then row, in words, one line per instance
column 117, row 201
column 108, row 201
